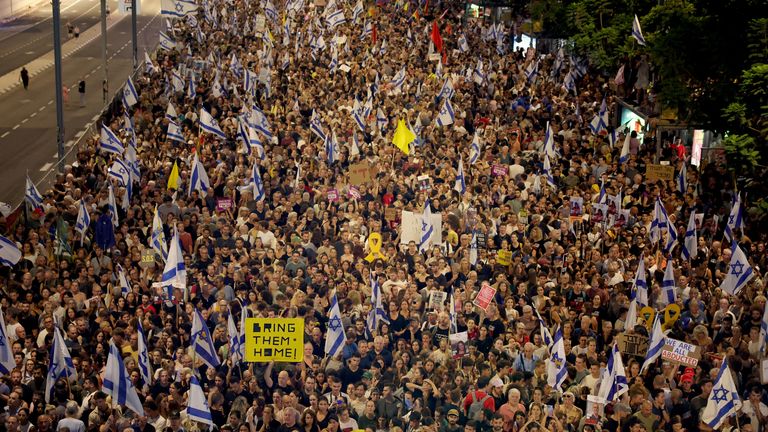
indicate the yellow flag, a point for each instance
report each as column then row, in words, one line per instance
column 403, row 136
column 173, row 179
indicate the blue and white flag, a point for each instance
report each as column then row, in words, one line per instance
column 463, row 45
column 7, row 362
column 398, row 81
column 641, row 283
column 659, row 222
column 546, row 336
column 157, row 240
column 475, row 149
column 377, row 314
column 735, row 218
column 32, row 196
column 447, row 91
column 655, row 345
column 357, row 116
column 117, row 382
column 614, row 378
column 764, row 330
column 119, row 171
column 316, row 127
column 556, row 363
column 335, row 19
column 426, row 228
column 460, row 185
column 446, row 115
column 83, row 220
column 682, row 179
column 166, row 42
column 177, row 8
column 174, row 133
column 109, row 142
column 637, row 33
column 235, row 66
column 624, row 156
column 242, row 134
column 335, row 337
column 547, row 171
column 381, row 120
column 249, row 81
column 270, row 11
column 600, row 122
column 198, row 180
column 549, row 142
column 532, row 70
column 149, row 66
column 631, row 321
column 130, row 96
column 690, row 246
column 255, row 143
column 217, row 89
column 668, row 286
column 452, row 319
column 210, row 125
column 202, row 342
column 739, row 272
column 334, row 64
column 723, row 401
column 60, row 364
column 175, row 271
column 236, row 348
column 358, row 10
column 256, row 183
column 258, row 120
column 473, row 249
column 122, row 281
column 671, row 230
column 332, row 148
column 197, row 403
column 191, row 88
column 112, row 206
column 145, row 367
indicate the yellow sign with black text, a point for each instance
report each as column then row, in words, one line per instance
column 274, row 339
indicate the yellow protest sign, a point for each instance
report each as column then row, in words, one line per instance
column 274, row 339
column 671, row 314
column 503, row 257
column 374, row 243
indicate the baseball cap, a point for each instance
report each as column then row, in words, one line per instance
column 453, row 412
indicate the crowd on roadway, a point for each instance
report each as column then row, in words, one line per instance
column 244, row 144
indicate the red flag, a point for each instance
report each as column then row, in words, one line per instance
column 374, row 36
column 436, row 39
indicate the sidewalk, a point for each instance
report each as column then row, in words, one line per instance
column 15, row 9
column 45, row 61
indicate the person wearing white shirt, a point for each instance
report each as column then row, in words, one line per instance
column 756, row 410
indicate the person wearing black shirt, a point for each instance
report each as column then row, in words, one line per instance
column 351, row 373
column 398, row 324
column 236, row 390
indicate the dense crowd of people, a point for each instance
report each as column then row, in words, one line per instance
column 283, row 247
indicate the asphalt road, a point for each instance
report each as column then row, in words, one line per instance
column 28, row 123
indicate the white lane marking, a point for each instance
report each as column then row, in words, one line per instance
column 16, row 127
column 33, row 114
column 41, row 108
column 25, row 120
column 5, row 134
column 46, row 167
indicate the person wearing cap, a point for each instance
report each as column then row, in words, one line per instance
column 572, row 413
column 451, row 422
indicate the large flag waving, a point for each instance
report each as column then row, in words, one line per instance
column 60, row 364
column 335, row 336
column 426, row 228
column 144, row 366
column 202, row 344
column 614, row 381
column 235, row 345
column 655, row 345
column 197, row 403
column 7, row 362
column 637, row 33
column 556, row 364
column 690, row 246
column 723, row 401
column 158, row 237
column 739, row 272
column 117, row 382
column 175, row 271
column 9, row 252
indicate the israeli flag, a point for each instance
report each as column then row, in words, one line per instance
column 256, row 183
column 242, row 133
column 764, row 329
column 174, row 133
column 454, row 324
column 398, row 81
column 217, row 89
column 614, row 378
column 112, row 206
column 549, row 142
column 334, row 60
column 655, row 345
column 426, row 228
column 631, row 320
column 723, row 401
column 316, row 127
column 546, row 336
column 358, row 10
column 460, row 185
column 447, row 90
column 32, row 196
column 177, row 82
column 249, row 81
column 377, row 314
column 236, row 66
column 367, row 30
column 569, row 83
column 149, row 66
column 130, row 97
column 198, row 180
column 332, row 149
column 735, row 218
column 166, row 42
column 641, row 283
column 235, row 345
column 358, row 117
column 446, row 115
column 60, row 365
column 177, row 8
column 739, row 272
column 120, row 172
column 197, row 403
column 109, row 142
column 122, row 281
column 463, row 45
column 637, row 33
column 475, row 149
column 473, row 249
column 158, row 237
column 668, row 287
column 270, row 11
column 600, row 121
column 335, row 338
column 659, row 222
column 690, row 247
column 7, row 362
column 175, row 271
column 556, row 363
column 682, row 179
column 255, row 142
column 624, row 157
column 145, row 367
column 547, row 171
column 671, row 230
column 335, row 19
column 210, row 125
column 191, row 88
column 117, row 382
column 202, row 342
column 83, row 220
column 259, row 121
column 532, row 70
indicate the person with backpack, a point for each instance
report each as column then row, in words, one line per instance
column 479, row 399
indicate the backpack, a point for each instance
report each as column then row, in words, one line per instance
column 476, row 408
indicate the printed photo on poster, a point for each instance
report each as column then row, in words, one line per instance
column 458, row 344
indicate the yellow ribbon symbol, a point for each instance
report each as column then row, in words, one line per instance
column 671, row 314
column 374, row 243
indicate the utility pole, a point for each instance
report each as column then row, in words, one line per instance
column 57, row 72
column 135, row 35
column 105, row 84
